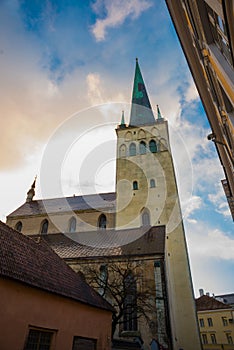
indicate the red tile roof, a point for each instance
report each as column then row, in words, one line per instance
column 209, row 303
column 35, row 264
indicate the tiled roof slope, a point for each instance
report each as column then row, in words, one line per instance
column 66, row 204
column 35, row 264
column 138, row 241
column 209, row 303
column 227, row 298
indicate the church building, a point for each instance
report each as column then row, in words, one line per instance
column 138, row 227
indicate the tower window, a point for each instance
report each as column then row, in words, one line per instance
column 132, row 149
column 152, row 183
column 44, row 226
column 145, row 218
column 135, row 185
column 72, row 224
column 152, row 146
column 102, row 222
column 142, row 147
column 19, row 226
column 122, row 151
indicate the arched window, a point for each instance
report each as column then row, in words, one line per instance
column 102, row 222
column 44, row 226
column 72, row 224
column 152, row 183
column 152, row 146
column 142, row 147
column 19, row 226
column 135, row 185
column 130, row 303
column 132, row 149
column 145, row 218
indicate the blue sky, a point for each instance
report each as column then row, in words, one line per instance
column 77, row 58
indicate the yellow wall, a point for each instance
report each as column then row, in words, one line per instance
column 86, row 221
column 219, row 328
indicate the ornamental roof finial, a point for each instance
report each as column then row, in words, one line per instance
column 31, row 191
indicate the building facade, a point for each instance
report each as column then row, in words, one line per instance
column 106, row 228
column 216, row 323
column 206, row 32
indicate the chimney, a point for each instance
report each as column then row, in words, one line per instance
column 201, row 292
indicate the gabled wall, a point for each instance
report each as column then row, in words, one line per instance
column 22, row 306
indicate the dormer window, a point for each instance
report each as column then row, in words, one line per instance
column 72, row 224
column 44, row 226
column 19, row 226
column 102, row 222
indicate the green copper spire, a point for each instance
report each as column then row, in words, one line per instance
column 141, row 111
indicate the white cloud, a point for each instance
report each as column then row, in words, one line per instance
column 191, row 93
column 94, row 90
column 219, row 200
column 116, row 13
column 207, row 242
column 211, row 255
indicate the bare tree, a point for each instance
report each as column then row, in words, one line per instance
column 121, row 284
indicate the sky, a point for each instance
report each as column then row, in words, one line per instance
column 67, row 69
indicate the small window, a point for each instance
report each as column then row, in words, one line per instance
column 39, row 339
column 19, row 226
column 152, row 183
column 204, row 339
column 201, row 322
column 229, row 338
column 225, row 322
column 132, row 149
column 142, row 147
column 213, row 338
column 210, row 322
column 102, row 222
column 44, row 226
column 152, row 146
column 135, row 185
column 72, row 224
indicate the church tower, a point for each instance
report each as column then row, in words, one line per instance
column 147, row 195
